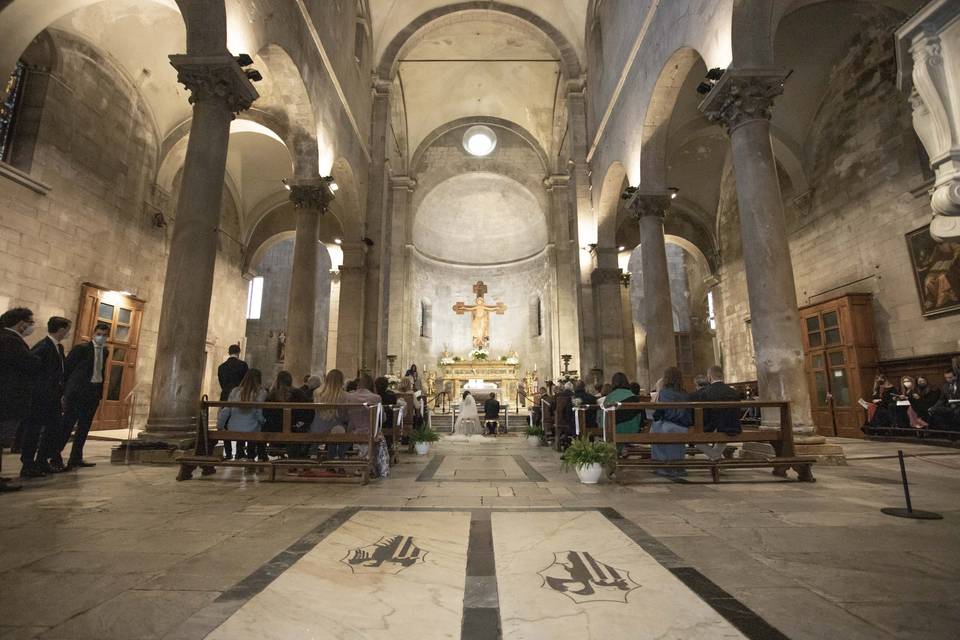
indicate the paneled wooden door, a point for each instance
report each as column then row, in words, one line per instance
column 124, row 313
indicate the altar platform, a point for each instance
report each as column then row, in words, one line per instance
column 503, row 375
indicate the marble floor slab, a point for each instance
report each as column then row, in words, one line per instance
column 479, row 468
column 575, row 575
column 381, row 574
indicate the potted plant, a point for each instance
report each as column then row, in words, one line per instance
column 534, row 435
column 588, row 458
column 422, row 437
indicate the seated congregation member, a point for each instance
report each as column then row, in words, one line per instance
column 563, row 409
column 902, row 408
column 491, row 414
column 671, row 421
column 243, row 419
column 310, row 384
column 628, row 420
column 717, row 420
column 700, row 381
column 388, row 399
column 536, row 410
column 588, row 400
column 331, row 419
column 18, row 371
column 924, row 398
column 41, row 435
column 946, row 414
column 358, row 418
column 83, row 371
column 884, row 401
column 283, row 391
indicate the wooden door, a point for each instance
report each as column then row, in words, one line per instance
column 124, row 314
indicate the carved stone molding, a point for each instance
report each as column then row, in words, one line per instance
column 402, row 183
column 642, row 204
column 925, row 44
column 556, row 180
column 605, row 275
column 215, row 78
column 743, row 95
column 311, row 193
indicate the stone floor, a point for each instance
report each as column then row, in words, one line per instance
column 476, row 537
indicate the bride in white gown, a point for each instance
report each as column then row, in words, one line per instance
column 468, row 422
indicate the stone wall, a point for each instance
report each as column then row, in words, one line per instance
column 847, row 233
column 97, row 150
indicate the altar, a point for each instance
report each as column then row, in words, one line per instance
column 503, row 375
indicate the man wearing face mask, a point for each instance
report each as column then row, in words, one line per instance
column 83, row 371
column 18, row 370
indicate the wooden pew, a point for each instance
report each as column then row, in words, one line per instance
column 781, row 439
column 203, row 451
column 394, row 433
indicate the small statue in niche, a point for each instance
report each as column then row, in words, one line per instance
column 281, row 346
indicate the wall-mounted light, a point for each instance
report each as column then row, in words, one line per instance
column 621, row 248
column 286, row 185
column 337, row 241
column 332, row 184
column 628, row 193
column 673, row 192
column 244, row 60
column 710, row 82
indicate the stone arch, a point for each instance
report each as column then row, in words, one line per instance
column 279, row 223
column 754, row 25
column 608, row 203
column 411, row 34
column 347, row 202
column 663, row 100
column 497, row 123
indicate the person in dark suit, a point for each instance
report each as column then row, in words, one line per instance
column 18, row 371
column 491, row 414
column 41, row 431
column 230, row 374
column 84, row 372
column 717, row 420
column 945, row 414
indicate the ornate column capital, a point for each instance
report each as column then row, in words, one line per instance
column 215, row 78
column 642, row 204
column 402, row 183
column 311, row 193
column 743, row 95
column 560, row 180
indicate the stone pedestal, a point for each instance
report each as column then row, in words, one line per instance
column 311, row 197
column 742, row 101
column 219, row 89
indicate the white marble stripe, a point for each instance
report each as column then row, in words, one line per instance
column 320, row 596
column 655, row 604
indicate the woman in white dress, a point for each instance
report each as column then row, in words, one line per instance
column 468, row 422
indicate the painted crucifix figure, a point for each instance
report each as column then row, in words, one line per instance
column 480, row 323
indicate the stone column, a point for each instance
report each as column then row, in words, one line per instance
column 649, row 210
column 742, row 101
column 630, row 356
column 219, row 89
column 564, row 237
column 928, row 44
column 311, row 197
column 605, row 283
column 582, row 210
column 376, row 287
column 398, row 311
column 350, row 323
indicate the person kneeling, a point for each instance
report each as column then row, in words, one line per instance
column 671, row 421
column 717, row 420
column 491, row 414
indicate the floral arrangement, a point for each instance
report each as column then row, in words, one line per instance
column 448, row 360
column 479, row 354
column 512, row 360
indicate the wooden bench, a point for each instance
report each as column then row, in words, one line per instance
column 781, row 439
column 206, row 438
column 399, row 429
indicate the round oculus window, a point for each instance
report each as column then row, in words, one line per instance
column 479, row 140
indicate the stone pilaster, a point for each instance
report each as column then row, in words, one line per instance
column 350, row 323
column 400, row 307
column 928, row 44
column 742, row 101
column 379, row 228
column 218, row 90
column 649, row 210
column 605, row 285
column 564, row 238
column 311, row 197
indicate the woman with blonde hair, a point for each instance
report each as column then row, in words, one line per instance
column 242, row 419
column 332, row 419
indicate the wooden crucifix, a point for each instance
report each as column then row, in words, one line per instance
column 480, row 323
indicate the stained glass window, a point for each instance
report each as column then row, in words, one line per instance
column 12, row 92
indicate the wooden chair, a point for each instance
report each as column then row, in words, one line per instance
column 203, row 449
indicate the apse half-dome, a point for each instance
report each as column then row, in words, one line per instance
column 479, row 218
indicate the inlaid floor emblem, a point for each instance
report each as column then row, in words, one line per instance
column 390, row 554
column 582, row 578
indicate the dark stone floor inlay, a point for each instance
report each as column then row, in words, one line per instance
column 389, row 554
column 582, row 578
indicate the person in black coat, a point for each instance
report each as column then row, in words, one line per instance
column 491, row 414
column 230, row 374
column 18, row 371
column 717, row 420
column 84, row 372
column 41, row 433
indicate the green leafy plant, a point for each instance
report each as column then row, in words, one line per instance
column 424, row 434
column 582, row 453
column 457, row 358
column 503, row 358
column 535, row 431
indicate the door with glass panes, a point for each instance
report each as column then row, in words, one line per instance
column 123, row 313
column 830, row 371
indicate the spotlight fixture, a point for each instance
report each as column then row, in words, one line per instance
column 367, row 241
column 331, row 184
column 253, row 75
column 628, row 193
column 673, row 192
column 707, row 85
column 244, row 59
column 286, row 185
column 337, row 241
column 621, row 248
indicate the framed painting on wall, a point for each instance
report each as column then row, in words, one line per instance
column 936, row 269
